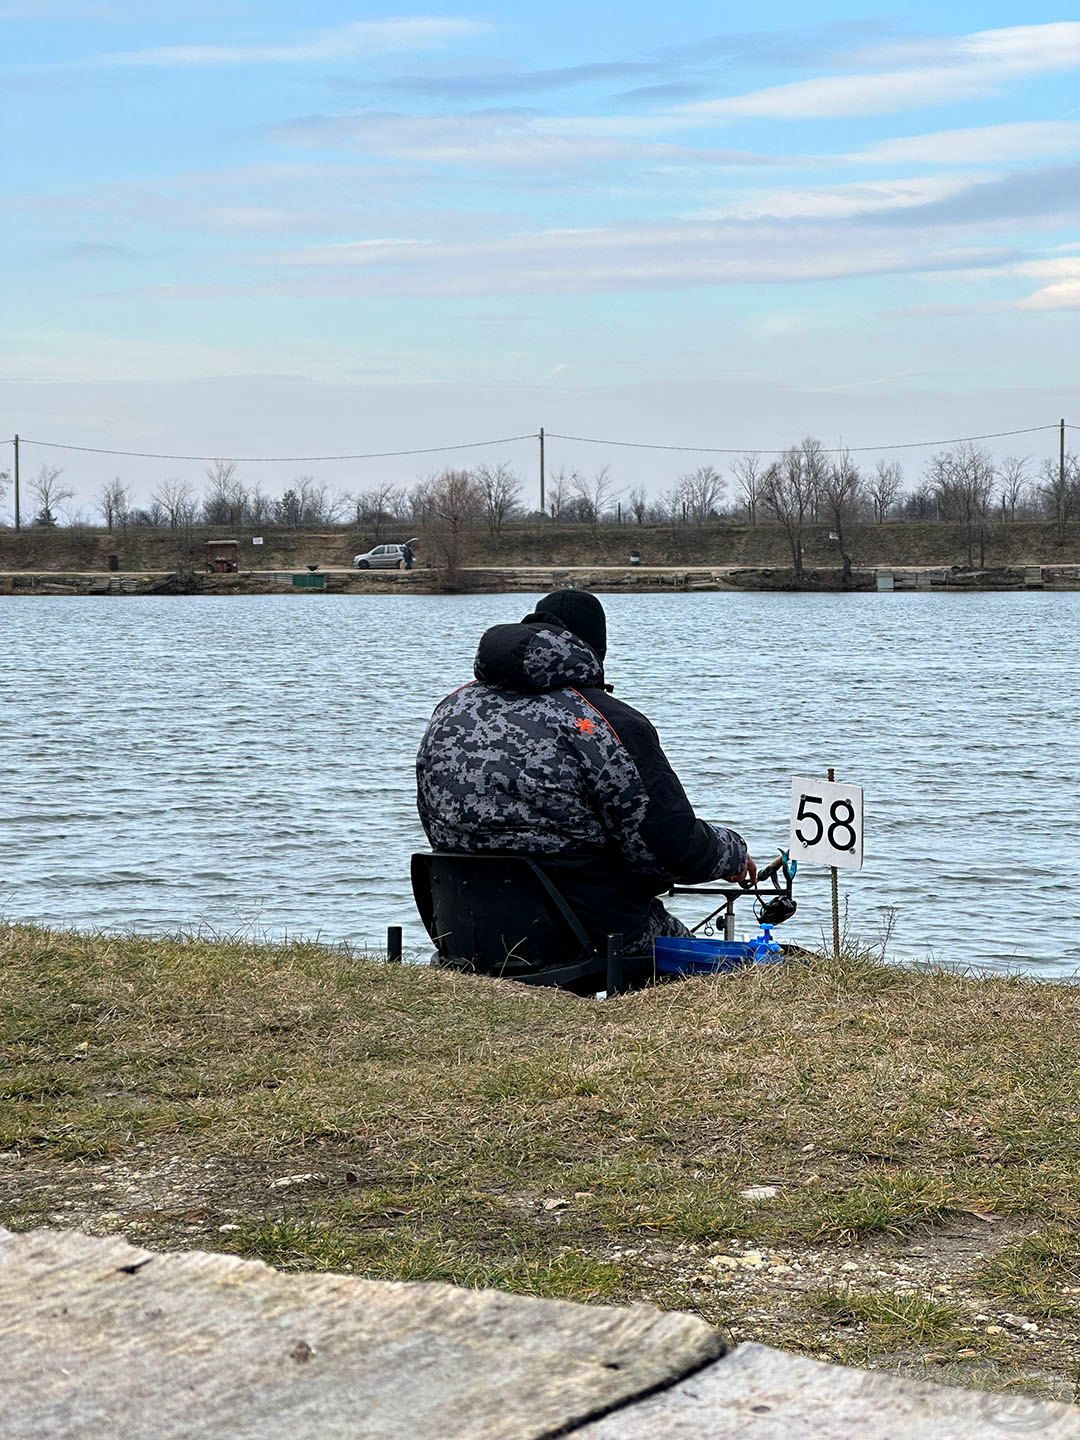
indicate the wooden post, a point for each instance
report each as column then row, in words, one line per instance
column 541, row 470
column 393, row 945
column 17, row 525
column 1061, row 454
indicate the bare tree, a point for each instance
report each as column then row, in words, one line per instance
column 1013, row 484
column 500, row 490
column 375, row 507
column 313, row 500
column 883, row 488
column 703, row 489
column 226, row 498
column 749, row 474
column 339, row 504
column 637, row 502
column 456, row 500
column 1059, row 487
column 593, row 496
column 789, row 492
column 560, row 491
column 174, row 497
column 963, row 482
column 151, row 516
column 50, row 495
column 672, row 506
column 260, row 506
column 416, row 501
column 114, row 503
column 815, row 467
column 841, row 492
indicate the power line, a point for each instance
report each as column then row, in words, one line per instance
column 514, row 439
column 271, row 459
column 839, row 450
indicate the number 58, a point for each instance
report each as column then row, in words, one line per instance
column 839, row 833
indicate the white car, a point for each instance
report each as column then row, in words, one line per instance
column 381, row 557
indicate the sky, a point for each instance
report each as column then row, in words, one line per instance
column 254, row 228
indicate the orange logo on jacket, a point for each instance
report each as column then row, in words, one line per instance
column 584, row 726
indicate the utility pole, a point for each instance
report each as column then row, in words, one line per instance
column 1061, row 456
column 542, row 467
column 17, row 525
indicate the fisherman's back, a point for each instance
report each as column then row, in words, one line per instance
column 536, row 757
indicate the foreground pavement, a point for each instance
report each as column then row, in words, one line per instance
column 100, row 1339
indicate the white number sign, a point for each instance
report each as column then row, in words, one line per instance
column 827, row 823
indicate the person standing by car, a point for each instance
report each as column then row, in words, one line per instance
column 537, row 758
column 408, row 554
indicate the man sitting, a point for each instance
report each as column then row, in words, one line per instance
column 537, row 758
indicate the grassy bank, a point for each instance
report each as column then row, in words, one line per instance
column 860, row 1162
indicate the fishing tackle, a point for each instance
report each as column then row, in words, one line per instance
column 772, row 906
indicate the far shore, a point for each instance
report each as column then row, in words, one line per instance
column 487, row 579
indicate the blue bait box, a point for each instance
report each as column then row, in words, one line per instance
column 697, row 955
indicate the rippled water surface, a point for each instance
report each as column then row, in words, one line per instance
column 246, row 762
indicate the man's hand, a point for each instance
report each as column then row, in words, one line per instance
column 747, row 876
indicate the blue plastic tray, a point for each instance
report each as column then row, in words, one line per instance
column 697, row 955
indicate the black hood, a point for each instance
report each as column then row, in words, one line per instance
column 582, row 614
column 534, row 656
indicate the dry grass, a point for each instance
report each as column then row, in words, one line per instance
column 919, row 1129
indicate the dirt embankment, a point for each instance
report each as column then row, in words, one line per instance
column 894, row 543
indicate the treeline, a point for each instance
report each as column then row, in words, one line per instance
column 961, row 485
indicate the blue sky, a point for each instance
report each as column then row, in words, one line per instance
column 263, row 228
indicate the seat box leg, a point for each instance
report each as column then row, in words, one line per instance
column 615, row 964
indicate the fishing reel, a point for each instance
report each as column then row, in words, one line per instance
column 775, row 906
column 773, row 901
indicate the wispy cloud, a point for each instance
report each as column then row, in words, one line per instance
column 968, row 66
column 606, row 258
column 873, row 198
column 921, row 200
column 499, row 138
column 672, row 69
column 483, row 85
column 987, row 144
column 106, row 12
column 93, row 250
column 342, row 42
column 1052, row 193
column 44, row 10
column 1063, row 291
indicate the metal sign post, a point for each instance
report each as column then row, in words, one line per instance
column 827, row 829
column 834, row 891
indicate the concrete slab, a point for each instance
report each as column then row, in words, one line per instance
column 100, row 1340
column 756, row 1393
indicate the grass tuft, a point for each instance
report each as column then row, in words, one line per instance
column 1039, row 1276
column 893, row 1318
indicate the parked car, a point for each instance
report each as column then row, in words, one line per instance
column 381, row 557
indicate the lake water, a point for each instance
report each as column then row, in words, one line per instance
column 246, row 763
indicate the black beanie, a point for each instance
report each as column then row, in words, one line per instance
column 581, row 613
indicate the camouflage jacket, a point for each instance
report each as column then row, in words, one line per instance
column 536, row 757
